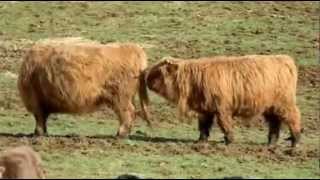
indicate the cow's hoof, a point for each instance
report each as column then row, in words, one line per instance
column 39, row 134
column 272, row 146
column 290, row 138
column 228, row 141
column 203, row 138
column 120, row 136
column 293, row 151
column 295, row 146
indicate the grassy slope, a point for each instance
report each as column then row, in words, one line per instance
column 175, row 29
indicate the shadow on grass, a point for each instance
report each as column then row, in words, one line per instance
column 134, row 137
column 160, row 139
column 107, row 137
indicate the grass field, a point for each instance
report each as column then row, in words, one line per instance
column 84, row 146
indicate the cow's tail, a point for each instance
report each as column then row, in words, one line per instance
column 144, row 99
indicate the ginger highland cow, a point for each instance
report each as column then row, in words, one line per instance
column 74, row 76
column 220, row 88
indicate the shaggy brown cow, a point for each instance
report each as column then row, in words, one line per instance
column 72, row 76
column 20, row 163
column 226, row 87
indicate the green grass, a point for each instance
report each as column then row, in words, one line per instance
column 83, row 146
column 192, row 30
column 110, row 164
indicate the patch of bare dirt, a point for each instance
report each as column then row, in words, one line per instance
column 158, row 146
column 309, row 76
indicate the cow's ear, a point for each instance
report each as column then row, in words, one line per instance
column 172, row 67
column 167, row 59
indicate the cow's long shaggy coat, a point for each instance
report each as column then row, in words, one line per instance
column 76, row 76
column 223, row 87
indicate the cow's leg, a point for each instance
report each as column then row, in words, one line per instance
column 274, row 128
column 291, row 117
column 126, row 117
column 205, row 122
column 224, row 120
column 41, row 123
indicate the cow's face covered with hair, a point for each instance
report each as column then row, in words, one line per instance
column 162, row 79
column 20, row 163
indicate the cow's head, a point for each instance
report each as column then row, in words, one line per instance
column 21, row 162
column 162, row 78
column 2, row 169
